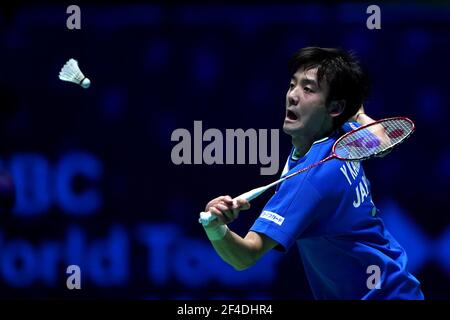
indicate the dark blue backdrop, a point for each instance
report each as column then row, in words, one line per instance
column 95, row 182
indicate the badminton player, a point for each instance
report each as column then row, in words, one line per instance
column 327, row 211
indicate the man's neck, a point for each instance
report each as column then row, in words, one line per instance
column 303, row 144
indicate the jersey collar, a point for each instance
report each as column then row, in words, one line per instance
column 295, row 155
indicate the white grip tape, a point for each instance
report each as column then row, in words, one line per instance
column 206, row 218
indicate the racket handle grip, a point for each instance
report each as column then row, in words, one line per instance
column 206, row 218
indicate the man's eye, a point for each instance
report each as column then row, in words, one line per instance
column 291, row 86
column 307, row 89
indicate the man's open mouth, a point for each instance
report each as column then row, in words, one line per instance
column 291, row 115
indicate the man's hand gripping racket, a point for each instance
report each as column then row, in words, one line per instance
column 374, row 139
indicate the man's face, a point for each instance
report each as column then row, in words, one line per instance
column 306, row 111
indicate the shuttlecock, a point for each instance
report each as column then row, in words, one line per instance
column 72, row 73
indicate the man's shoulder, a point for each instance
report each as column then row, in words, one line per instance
column 324, row 146
column 349, row 126
column 321, row 148
column 329, row 173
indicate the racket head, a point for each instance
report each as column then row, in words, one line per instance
column 373, row 139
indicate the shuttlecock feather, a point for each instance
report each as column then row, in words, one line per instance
column 72, row 73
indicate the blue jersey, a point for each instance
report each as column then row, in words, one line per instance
column 328, row 211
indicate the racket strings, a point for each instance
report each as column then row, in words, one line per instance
column 374, row 139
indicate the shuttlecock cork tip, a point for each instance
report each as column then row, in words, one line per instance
column 85, row 83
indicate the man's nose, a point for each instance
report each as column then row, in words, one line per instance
column 292, row 98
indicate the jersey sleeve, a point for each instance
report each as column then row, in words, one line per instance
column 289, row 212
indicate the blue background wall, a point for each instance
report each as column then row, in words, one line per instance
column 95, row 183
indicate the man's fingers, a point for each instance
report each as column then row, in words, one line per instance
column 218, row 214
column 215, row 201
column 224, row 213
column 242, row 204
column 227, row 211
column 228, row 200
column 223, row 207
column 215, row 211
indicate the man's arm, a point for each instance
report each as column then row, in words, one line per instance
column 241, row 253
column 361, row 117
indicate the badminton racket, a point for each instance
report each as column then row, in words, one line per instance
column 365, row 142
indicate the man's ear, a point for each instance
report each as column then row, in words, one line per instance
column 336, row 107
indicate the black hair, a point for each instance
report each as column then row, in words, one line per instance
column 342, row 72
